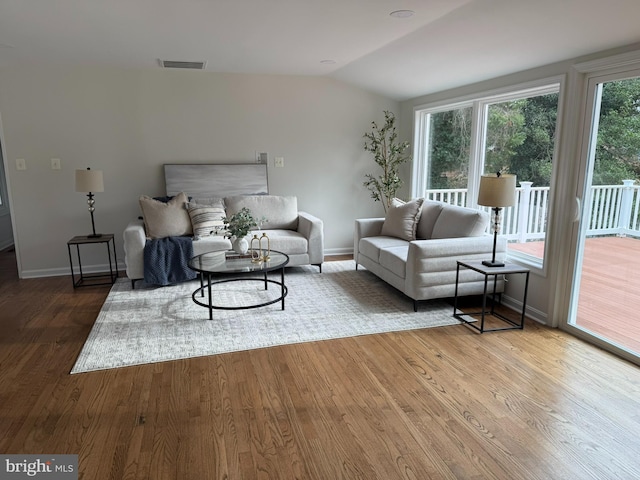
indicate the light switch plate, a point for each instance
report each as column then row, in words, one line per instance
column 279, row 162
column 21, row 164
column 55, row 164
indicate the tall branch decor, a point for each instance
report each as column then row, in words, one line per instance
column 389, row 154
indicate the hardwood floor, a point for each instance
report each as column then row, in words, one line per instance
column 429, row 404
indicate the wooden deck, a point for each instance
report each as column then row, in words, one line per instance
column 609, row 290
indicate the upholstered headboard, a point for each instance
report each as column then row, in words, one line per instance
column 216, row 180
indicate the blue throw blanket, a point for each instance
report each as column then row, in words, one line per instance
column 165, row 260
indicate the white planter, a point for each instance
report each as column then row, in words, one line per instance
column 240, row 245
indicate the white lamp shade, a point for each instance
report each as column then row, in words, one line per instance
column 497, row 191
column 89, row 181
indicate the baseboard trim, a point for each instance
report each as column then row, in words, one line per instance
column 60, row 272
column 530, row 312
column 338, row 251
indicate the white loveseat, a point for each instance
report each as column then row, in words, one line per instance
column 298, row 234
column 416, row 248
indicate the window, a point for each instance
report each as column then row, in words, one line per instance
column 511, row 132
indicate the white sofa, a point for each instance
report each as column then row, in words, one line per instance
column 416, row 248
column 298, row 234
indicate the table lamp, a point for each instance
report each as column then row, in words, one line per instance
column 90, row 181
column 496, row 191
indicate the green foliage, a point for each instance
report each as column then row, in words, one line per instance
column 520, row 140
column 618, row 146
column 505, row 133
column 521, row 136
column 449, row 149
column 532, row 159
column 239, row 224
column 388, row 154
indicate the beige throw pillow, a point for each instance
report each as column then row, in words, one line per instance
column 169, row 219
column 402, row 218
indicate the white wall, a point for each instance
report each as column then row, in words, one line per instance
column 129, row 123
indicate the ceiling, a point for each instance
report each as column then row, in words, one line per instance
column 445, row 44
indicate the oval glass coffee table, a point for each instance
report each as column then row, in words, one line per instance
column 213, row 264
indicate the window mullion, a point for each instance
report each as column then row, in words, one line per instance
column 420, row 159
column 476, row 152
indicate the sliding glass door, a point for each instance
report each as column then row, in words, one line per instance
column 605, row 299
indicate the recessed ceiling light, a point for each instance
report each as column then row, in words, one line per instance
column 328, row 62
column 402, row 13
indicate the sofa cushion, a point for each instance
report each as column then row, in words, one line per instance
column 428, row 215
column 166, row 219
column 394, row 259
column 371, row 246
column 454, row 222
column 282, row 240
column 402, row 218
column 279, row 212
column 206, row 219
column 212, row 243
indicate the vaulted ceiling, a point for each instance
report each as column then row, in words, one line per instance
column 444, row 44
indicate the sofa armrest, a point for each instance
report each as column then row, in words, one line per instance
column 135, row 238
column 434, row 262
column 365, row 227
column 313, row 230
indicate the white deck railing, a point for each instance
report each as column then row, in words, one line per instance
column 614, row 210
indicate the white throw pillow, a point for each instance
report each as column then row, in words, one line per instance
column 402, row 218
column 169, row 219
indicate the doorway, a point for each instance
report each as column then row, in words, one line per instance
column 8, row 263
column 604, row 297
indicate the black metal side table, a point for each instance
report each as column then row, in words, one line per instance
column 507, row 269
column 90, row 280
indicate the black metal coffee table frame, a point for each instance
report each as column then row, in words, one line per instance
column 206, row 270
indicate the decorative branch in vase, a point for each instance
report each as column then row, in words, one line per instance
column 389, row 154
column 237, row 227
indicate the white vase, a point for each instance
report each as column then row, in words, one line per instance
column 240, row 245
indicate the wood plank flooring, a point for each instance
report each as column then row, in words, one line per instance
column 440, row 403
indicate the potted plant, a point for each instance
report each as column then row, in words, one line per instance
column 237, row 227
column 389, row 154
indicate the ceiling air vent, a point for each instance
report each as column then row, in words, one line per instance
column 187, row 65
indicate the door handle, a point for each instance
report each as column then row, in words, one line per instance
column 576, row 211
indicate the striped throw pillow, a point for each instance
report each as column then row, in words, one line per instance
column 206, row 219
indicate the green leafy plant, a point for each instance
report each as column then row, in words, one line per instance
column 389, row 154
column 240, row 223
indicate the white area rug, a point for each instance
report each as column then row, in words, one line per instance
column 151, row 324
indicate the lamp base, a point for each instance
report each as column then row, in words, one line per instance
column 94, row 235
column 489, row 263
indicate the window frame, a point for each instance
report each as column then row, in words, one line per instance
column 479, row 104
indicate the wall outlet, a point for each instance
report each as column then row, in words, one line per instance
column 21, row 164
column 55, row 164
